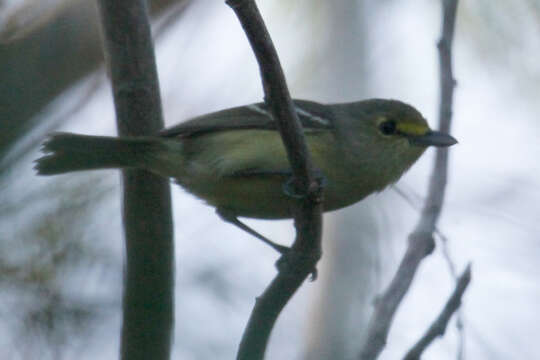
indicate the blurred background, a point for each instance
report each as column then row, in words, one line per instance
column 61, row 241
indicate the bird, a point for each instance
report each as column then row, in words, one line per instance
column 235, row 160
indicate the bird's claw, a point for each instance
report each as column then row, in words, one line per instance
column 290, row 189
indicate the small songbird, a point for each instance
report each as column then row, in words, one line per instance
column 235, row 160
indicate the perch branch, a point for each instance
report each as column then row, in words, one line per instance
column 306, row 249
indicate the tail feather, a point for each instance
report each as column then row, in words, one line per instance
column 67, row 152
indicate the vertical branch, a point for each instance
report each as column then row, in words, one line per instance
column 421, row 242
column 307, row 212
column 437, row 186
column 148, row 292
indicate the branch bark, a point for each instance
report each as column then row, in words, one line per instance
column 306, row 249
column 148, row 293
column 421, row 242
column 438, row 327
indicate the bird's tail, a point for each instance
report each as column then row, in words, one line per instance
column 65, row 152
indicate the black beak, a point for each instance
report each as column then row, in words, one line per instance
column 433, row 138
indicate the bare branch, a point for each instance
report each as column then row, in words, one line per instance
column 439, row 325
column 148, row 294
column 459, row 314
column 421, row 241
column 307, row 213
column 451, row 267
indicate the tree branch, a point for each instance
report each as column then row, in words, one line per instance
column 307, row 212
column 148, row 293
column 421, row 242
column 438, row 327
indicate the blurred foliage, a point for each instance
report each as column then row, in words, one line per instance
column 499, row 34
column 45, row 267
column 45, row 48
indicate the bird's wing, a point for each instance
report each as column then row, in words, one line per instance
column 312, row 115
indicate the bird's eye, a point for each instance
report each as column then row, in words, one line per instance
column 388, row 127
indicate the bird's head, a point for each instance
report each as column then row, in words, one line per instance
column 387, row 136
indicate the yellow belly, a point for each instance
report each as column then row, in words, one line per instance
column 212, row 166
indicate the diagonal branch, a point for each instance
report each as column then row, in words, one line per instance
column 421, row 242
column 148, row 293
column 438, row 327
column 459, row 315
column 307, row 212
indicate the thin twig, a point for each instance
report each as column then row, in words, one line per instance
column 438, row 327
column 421, row 241
column 451, row 267
column 415, row 202
column 460, row 324
column 307, row 211
column 148, row 293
